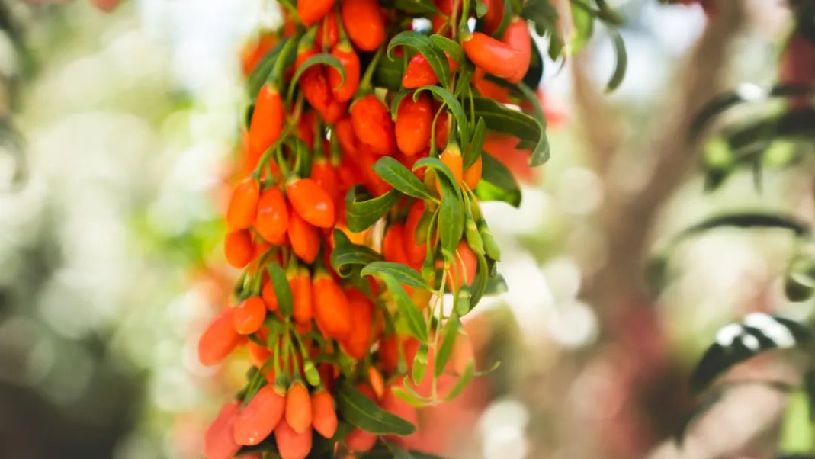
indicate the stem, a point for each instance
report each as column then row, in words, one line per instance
column 365, row 83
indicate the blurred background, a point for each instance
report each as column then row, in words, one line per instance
column 116, row 133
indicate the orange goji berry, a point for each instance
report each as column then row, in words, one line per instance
column 473, row 173
column 376, row 382
column 508, row 58
column 298, row 407
column 372, row 124
column 303, row 237
column 254, row 51
column 238, row 248
column 311, row 11
column 272, row 217
column 451, row 157
column 330, row 306
column 258, row 354
column 267, row 120
column 249, row 315
column 290, row 444
column 305, row 127
column 325, row 175
column 345, row 53
column 389, row 351
column 243, row 204
column 268, row 294
column 300, row 283
column 218, row 440
column 413, row 122
column 218, row 340
column 358, row 341
column 363, row 23
column 260, row 416
column 441, row 129
column 313, row 82
column 311, row 202
column 462, row 268
column 489, row 88
column 323, row 414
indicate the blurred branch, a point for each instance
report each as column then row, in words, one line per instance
column 597, row 123
column 629, row 214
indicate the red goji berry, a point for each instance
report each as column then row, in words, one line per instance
column 300, row 284
column 243, row 204
column 413, row 122
column 328, row 32
column 218, row 440
column 311, row 11
column 290, row 444
column 372, row 124
column 218, row 340
column 303, row 237
column 298, row 407
column 267, row 120
column 238, row 248
column 363, row 23
column 358, row 341
column 472, row 175
column 350, row 63
column 272, row 217
column 462, row 268
column 331, row 309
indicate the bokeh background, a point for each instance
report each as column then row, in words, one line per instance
column 116, row 133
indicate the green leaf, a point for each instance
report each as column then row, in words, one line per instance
column 407, row 309
column 401, row 178
column 501, row 118
column 583, row 21
column 620, row 61
column 473, row 150
column 282, row 290
column 448, row 99
column 452, row 48
column 399, row 272
column 416, row 7
column 347, row 256
column 746, row 220
column 410, row 396
column 361, row 412
column 261, row 72
column 451, row 219
column 544, row 16
column 448, row 341
column 419, row 364
column 388, row 73
column 497, row 182
column 462, row 382
column 317, row 59
column 360, row 215
column 422, row 44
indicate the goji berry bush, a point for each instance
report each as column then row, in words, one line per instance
column 355, row 215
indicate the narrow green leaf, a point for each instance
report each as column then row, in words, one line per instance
column 446, row 348
column 347, row 256
column 417, row 7
column 620, row 61
column 388, row 73
column 501, row 118
column 419, row 364
column 361, row 412
column 422, row 44
column 497, row 183
column 407, row 309
column 401, row 178
column 397, row 99
column 473, row 151
column 282, row 290
column 451, row 219
column 261, row 72
column 317, row 59
column 462, row 382
column 410, row 396
column 360, row 215
column 452, row 48
column 399, row 272
column 448, row 99
column 583, row 21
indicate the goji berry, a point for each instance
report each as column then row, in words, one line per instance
column 298, row 407
column 243, row 204
column 238, row 248
column 218, row 340
column 260, row 416
column 303, row 297
column 413, row 122
column 218, row 440
column 311, row 202
column 363, row 23
column 473, row 173
column 267, row 120
column 462, row 268
column 372, row 124
column 393, row 244
column 418, row 73
column 358, row 341
column 323, row 414
column 249, row 315
column 303, row 237
column 331, row 307
column 325, row 175
column 360, row 441
column 272, row 217
column 328, row 32
column 344, row 91
column 311, row 11
column 290, row 444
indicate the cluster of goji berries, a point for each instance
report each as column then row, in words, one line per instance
column 355, row 213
